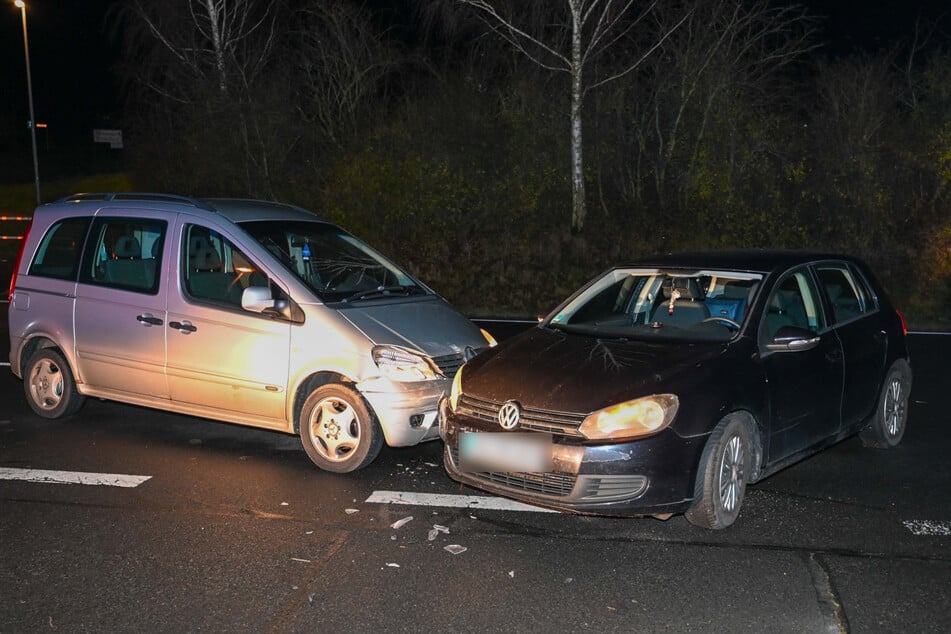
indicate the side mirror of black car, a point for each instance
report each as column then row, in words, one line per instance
column 793, row 339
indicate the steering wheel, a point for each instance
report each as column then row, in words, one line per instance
column 725, row 321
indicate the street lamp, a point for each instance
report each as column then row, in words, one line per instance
column 29, row 91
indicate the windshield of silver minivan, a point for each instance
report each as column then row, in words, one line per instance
column 335, row 265
column 652, row 303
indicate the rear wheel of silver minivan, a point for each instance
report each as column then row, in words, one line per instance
column 49, row 385
column 337, row 430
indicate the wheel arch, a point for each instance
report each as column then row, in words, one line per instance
column 41, row 342
column 756, row 432
column 311, row 383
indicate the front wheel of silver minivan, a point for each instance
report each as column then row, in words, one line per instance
column 49, row 385
column 337, row 430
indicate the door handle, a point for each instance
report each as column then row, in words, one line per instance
column 149, row 320
column 182, row 326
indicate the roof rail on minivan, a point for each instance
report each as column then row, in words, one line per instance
column 157, row 197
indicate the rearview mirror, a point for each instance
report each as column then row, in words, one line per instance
column 257, row 299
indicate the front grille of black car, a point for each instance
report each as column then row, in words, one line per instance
column 547, row 421
column 449, row 364
column 556, row 484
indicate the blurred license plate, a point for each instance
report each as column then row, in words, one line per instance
column 516, row 451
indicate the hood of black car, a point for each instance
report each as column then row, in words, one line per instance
column 561, row 371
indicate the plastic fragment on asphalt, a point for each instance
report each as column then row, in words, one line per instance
column 393, row 565
column 303, row 561
column 569, row 580
column 401, row 523
column 512, row 574
column 430, row 464
column 435, row 530
column 455, row 549
column 284, row 504
column 351, row 511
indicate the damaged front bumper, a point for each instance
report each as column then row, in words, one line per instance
column 407, row 411
column 651, row 476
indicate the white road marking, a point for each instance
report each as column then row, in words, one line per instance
column 72, row 477
column 6, row 363
column 452, row 501
column 928, row 527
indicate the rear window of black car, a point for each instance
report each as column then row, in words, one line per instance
column 58, row 254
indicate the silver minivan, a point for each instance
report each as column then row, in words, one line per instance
column 243, row 311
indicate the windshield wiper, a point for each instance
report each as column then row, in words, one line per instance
column 385, row 291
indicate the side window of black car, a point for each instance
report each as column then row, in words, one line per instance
column 125, row 253
column 791, row 303
column 59, row 251
column 846, row 291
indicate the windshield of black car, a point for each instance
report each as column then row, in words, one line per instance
column 696, row 305
column 335, row 265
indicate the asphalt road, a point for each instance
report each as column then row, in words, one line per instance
column 234, row 530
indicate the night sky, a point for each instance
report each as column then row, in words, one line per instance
column 71, row 55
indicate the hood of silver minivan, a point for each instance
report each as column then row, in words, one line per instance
column 430, row 326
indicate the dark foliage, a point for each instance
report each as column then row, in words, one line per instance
column 448, row 151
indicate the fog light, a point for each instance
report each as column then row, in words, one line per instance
column 415, row 420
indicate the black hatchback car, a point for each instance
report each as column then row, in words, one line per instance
column 667, row 385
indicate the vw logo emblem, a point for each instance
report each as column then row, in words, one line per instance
column 509, row 414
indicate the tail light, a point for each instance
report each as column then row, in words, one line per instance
column 901, row 318
column 16, row 264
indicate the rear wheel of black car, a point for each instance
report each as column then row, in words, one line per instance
column 338, row 431
column 49, row 385
column 721, row 478
column 891, row 414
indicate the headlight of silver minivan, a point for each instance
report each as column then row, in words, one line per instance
column 400, row 364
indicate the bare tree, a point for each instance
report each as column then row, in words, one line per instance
column 225, row 41
column 725, row 57
column 208, row 55
column 577, row 36
column 343, row 61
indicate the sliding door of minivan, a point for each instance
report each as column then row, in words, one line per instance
column 221, row 356
column 120, row 305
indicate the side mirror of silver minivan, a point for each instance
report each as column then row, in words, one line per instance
column 257, row 299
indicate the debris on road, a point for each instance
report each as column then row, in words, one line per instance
column 455, row 549
column 435, row 530
column 401, row 523
column 351, row 511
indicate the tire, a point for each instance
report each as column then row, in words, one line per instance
column 722, row 475
column 890, row 419
column 337, row 430
column 49, row 385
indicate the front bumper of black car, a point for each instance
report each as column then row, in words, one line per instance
column 651, row 476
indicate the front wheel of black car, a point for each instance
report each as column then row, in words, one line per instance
column 891, row 414
column 49, row 385
column 721, row 478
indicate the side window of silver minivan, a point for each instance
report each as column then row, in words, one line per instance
column 214, row 269
column 125, row 253
column 58, row 254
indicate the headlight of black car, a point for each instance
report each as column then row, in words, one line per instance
column 631, row 419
